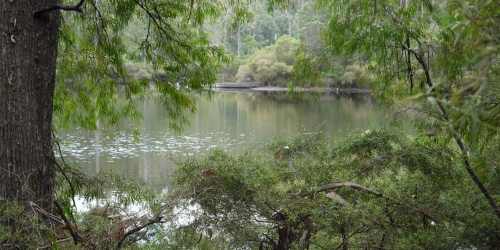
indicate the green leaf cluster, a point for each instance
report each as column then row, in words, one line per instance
column 27, row 229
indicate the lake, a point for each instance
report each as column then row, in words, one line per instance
column 232, row 121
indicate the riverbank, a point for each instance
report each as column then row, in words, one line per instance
column 256, row 87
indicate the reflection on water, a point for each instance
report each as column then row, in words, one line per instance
column 232, row 121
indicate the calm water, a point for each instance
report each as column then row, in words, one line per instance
column 232, row 121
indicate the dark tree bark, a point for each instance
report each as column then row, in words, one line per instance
column 28, row 49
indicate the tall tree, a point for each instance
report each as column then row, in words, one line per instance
column 27, row 76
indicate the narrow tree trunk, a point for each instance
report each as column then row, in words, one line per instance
column 345, row 238
column 28, row 49
column 408, row 63
column 239, row 41
column 289, row 17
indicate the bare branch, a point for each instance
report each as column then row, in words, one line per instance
column 63, row 172
column 157, row 219
column 348, row 184
column 335, row 185
column 76, row 8
column 76, row 237
column 395, row 19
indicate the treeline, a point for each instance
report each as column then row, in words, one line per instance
column 265, row 46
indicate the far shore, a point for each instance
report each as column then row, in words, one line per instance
column 256, row 87
column 317, row 89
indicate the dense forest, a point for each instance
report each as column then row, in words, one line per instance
column 89, row 63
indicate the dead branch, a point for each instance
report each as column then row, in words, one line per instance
column 75, row 235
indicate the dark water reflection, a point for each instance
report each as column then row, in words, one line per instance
column 232, row 121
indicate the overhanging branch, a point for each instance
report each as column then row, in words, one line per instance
column 157, row 219
column 76, row 8
column 336, row 185
column 352, row 185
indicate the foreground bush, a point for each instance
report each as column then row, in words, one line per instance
column 374, row 190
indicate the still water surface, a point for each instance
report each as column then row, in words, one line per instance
column 232, row 121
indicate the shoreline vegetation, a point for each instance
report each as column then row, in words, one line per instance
column 257, row 87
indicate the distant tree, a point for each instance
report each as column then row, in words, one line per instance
column 271, row 65
column 250, row 44
column 312, row 21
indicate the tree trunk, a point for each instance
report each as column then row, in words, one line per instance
column 239, row 41
column 28, row 49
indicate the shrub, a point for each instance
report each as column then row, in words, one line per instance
column 271, row 65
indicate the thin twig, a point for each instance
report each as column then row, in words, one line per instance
column 62, row 170
column 57, row 241
column 157, row 219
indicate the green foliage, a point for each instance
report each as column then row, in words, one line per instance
column 357, row 75
column 271, row 65
column 386, row 190
column 250, row 44
column 441, row 51
column 26, row 229
column 95, row 50
column 139, row 71
column 312, row 22
column 303, row 71
column 257, row 26
column 228, row 73
column 375, row 188
column 439, row 58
